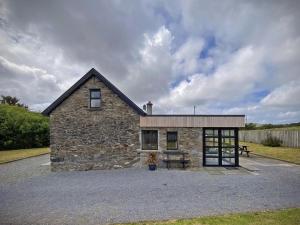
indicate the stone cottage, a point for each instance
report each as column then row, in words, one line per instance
column 93, row 125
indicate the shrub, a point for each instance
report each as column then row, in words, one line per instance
column 272, row 141
column 20, row 128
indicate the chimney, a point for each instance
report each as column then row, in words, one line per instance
column 149, row 108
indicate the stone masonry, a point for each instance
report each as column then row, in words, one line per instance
column 189, row 140
column 82, row 138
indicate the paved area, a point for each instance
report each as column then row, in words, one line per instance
column 30, row 194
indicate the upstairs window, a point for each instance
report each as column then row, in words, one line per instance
column 149, row 140
column 172, row 141
column 95, row 98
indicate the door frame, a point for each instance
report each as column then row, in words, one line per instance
column 236, row 147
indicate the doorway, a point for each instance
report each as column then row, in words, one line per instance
column 220, row 147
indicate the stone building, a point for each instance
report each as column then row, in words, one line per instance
column 93, row 125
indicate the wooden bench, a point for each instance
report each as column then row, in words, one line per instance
column 244, row 148
column 183, row 160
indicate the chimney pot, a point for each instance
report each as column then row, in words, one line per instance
column 149, row 108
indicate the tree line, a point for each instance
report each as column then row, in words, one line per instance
column 19, row 127
column 254, row 126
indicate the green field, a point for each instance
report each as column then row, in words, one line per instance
column 278, row 217
column 282, row 153
column 12, row 155
column 285, row 128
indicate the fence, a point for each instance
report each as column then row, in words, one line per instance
column 289, row 138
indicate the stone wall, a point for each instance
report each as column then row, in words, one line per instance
column 82, row 138
column 189, row 140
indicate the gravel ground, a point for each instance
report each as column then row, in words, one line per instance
column 36, row 196
column 23, row 169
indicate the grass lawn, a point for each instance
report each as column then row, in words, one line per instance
column 7, row 156
column 283, row 153
column 278, row 217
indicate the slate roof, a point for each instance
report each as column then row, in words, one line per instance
column 80, row 82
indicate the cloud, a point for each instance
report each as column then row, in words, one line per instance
column 68, row 38
column 18, row 80
column 230, row 82
column 284, row 96
column 107, row 34
column 279, row 106
column 150, row 75
column 187, row 56
column 222, row 56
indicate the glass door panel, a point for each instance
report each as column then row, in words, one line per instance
column 212, row 141
column 220, row 147
column 228, row 152
column 228, row 133
column 211, row 149
column 212, row 161
column 228, row 161
column 228, row 142
column 212, row 152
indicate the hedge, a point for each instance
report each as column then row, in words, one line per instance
column 21, row 128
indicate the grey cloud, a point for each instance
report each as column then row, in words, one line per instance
column 102, row 33
column 64, row 39
column 19, row 81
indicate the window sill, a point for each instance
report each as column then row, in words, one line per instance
column 145, row 150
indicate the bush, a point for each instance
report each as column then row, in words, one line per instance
column 20, row 128
column 272, row 141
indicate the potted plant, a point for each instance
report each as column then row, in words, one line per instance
column 152, row 161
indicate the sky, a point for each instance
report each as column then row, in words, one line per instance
column 224, row 57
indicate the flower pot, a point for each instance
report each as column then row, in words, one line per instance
column 152, row 167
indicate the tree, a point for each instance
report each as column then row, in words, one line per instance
column 12, row 101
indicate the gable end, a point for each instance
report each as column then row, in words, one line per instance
column 80, row 82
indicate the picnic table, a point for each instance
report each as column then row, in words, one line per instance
column 244, row 148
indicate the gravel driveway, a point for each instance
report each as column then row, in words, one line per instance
column 30, row 194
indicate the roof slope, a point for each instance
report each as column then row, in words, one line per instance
column 80, row 82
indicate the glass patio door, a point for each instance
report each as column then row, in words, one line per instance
column 220, row 147
column 211, row 147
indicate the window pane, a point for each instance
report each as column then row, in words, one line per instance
column 228, row 133
column 172, row 145
column 212, row 161
column 172, row 136
column 211, row 132
column 149, row 140
column 211, row 152
column 95, row 103
column 228, row 152
column 95, row 94
column 228, row 161
column 228, row 142
column 171, row 140
column 211, row 141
